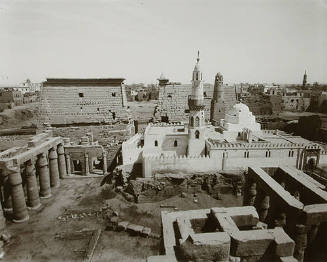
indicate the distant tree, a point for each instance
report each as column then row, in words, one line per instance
column 308, row 127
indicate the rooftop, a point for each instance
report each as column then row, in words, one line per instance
column 83, row 82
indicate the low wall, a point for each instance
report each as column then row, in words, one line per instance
column 155, row 164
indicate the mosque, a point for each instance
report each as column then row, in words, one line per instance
column 236, row 142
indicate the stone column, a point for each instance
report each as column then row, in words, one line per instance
column 264, row 207
column 312, row 234
column 298, row 158
column 2, row 219
column 43, row 170
column 251, row 194
column 20, row 213
column 68, row 166
column 53, row 166
column 62, row 161
column 33, row 198
column 105, row 164
column 7, row 201
column 301, row 160
column 86, row 163
column 300, row 242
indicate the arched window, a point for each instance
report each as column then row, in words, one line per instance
column 197, row 121
column 197, row 134
column 247, row 155
column 175, row 143
column 192, row 121
column 244, row 154
column 155, row 143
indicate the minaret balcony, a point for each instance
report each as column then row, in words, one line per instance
column 195, row 104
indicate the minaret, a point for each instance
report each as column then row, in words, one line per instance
column 218, row 91
column 218, row 105
column 304, row 83
column 196, row 106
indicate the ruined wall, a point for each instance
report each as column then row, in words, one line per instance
column 82, row 104
column 153, row 164
column 173, row 99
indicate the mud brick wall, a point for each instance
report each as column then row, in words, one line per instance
column 173, row 101
column 83, row 104
column 219, row 108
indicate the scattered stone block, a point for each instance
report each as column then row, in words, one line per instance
column 146, row 232
column 113, row 223
column 5, row 237
column 134, row 230
column 155, row 235
column 122, row 226
column 286, row 259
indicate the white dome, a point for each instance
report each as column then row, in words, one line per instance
column 240, row 107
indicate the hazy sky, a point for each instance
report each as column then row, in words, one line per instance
column 245, row 40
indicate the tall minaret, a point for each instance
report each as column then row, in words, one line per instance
column 218, row 105
column 196, row 105
column 304, row 83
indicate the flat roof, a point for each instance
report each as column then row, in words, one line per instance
column 83, row 82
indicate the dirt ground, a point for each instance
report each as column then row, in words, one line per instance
column 36, row 239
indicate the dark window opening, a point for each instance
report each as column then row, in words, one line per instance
column 81, row 94
column 113, row 94
column 197, row 134
column 155, row 143
column 113, row 115
column 98, row 109
column 175, row 143
column 169, row 96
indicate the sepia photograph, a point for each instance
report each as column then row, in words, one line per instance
column 163, row 130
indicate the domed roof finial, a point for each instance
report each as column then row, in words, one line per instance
column 198, row 59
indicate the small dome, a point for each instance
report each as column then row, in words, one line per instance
column 240, row 107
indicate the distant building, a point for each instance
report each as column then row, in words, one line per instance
column 31, row 87
column 304, row 82
column 237, row 142
column 296, row 101
column 10, row 97
column 69, row 101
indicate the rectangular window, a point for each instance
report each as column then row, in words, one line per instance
column 81, row 94
column 113, row 94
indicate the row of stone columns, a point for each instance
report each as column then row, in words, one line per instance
column 69, row 167
column 49, row 173
column 303, row 235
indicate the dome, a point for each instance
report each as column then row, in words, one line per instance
column 240, row 107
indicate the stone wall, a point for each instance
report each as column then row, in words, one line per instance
column 62, row 104
column 173, row 99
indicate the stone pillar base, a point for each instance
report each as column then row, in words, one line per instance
column 34, row 208
column 21, row 220
column 47, row 196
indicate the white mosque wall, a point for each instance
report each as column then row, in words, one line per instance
column 132, row 150
column 152, row 165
